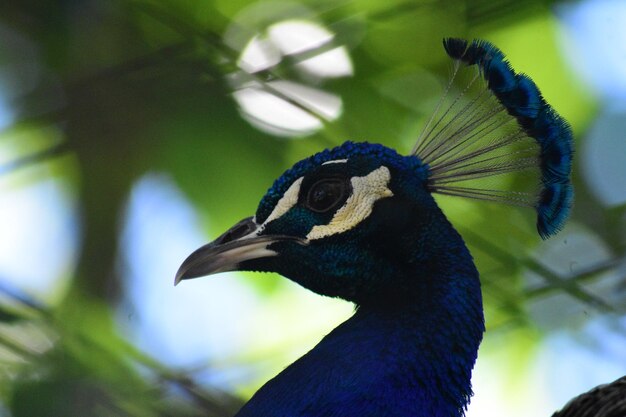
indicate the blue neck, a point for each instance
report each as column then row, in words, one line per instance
column 407, row 360
column 409, row 349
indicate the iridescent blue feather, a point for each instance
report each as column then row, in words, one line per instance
column 498, row 126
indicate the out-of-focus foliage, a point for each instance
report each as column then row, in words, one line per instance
column 105, row 91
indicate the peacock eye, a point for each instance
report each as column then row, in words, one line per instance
column 326, row 194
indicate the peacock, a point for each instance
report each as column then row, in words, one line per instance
column 360, row 222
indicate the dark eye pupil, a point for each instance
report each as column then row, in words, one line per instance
column 325, row 194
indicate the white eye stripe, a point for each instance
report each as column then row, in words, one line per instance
column 337, row 161
column 289, row 199
column 365, row 192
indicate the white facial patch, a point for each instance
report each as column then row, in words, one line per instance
column 365, row 192
column 290, row 198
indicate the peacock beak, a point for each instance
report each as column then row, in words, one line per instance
column 242, row 242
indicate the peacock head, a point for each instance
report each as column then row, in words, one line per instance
column 359, row 221
column 343, row 223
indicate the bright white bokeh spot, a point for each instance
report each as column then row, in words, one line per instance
column 322, row 103
column 260, row 54
column 269, row 111
column 38, row 244
column 604, row 156
column 293, row 107
column 330, row 64
column 594, row 40
column 296, row 36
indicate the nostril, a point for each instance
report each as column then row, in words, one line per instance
column 238, row 231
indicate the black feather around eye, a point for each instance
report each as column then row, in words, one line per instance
column 326, row 194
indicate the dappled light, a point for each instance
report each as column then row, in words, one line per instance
column 296, row 105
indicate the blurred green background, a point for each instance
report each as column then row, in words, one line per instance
column 132, row 132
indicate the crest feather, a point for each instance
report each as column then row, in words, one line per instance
column 497, row 123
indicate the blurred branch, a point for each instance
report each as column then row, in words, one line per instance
column 148, row 60
column 107, row 74
column 22, row 298
column 117, row 349
column 16, row 348
column 569, row 286
column 9, row 316
column 34, row 158
column 211, row 400
column 500, row 12
column 585, row 275
column 214, row 403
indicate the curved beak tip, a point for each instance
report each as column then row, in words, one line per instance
column 239, row 244
column 181, row 274
column 179, row 277
column 223, row 254
column 194, row 267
